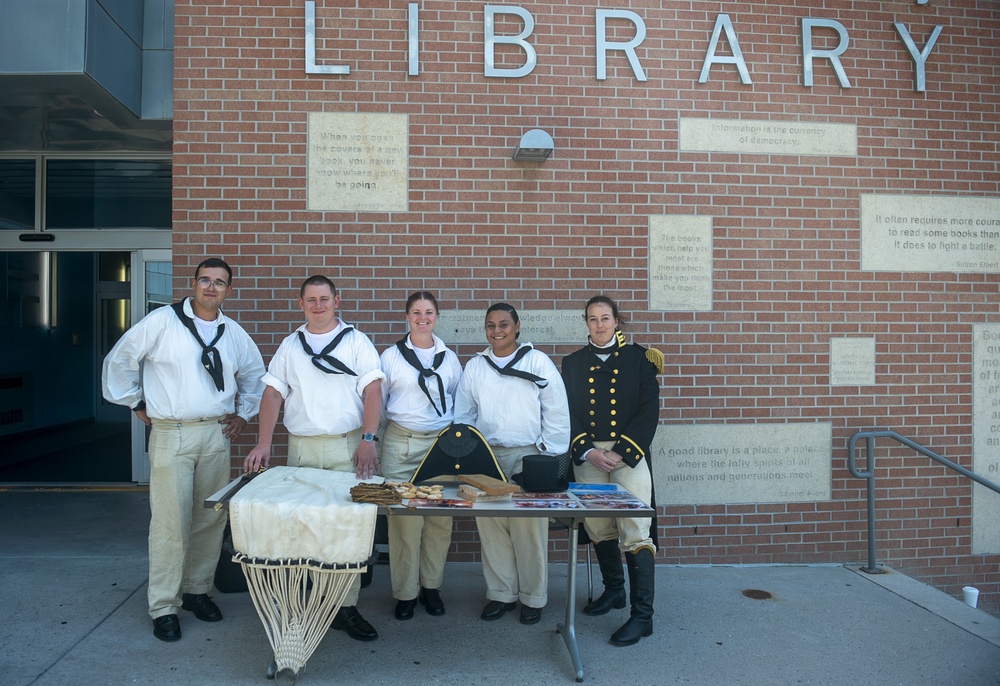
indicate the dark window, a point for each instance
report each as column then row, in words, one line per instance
column 107, row 194
column 17, row 195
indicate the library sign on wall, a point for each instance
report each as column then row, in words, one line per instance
column 719, row 55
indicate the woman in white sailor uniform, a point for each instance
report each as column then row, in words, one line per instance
column 514, row 396
column 422, row 375
column 614, row 400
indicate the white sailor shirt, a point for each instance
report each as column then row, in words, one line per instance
column 158, row 361
column 405, row 401
column 510, row 411
column 317, row 403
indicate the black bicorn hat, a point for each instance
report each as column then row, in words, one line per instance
column 458, row 449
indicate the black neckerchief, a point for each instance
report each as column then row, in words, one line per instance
column 210, row 357
column 510, row 371
column 324, row 355
column 423, row 374
column 613, row 346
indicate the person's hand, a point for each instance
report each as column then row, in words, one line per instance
column 614, row 458
column 258, row 460
column 604, row 460
column 143, row 417
column 232, row 425
column 366, row 460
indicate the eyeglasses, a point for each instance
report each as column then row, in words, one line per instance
column 219, row 284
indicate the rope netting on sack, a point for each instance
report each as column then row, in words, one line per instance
column 296, row 602
column 301, row 541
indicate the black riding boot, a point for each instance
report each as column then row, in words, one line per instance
column 609, row 558
column 642, row 568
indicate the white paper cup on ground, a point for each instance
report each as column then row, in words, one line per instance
column 971, row 595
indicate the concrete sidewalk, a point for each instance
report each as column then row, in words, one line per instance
column 73, row 573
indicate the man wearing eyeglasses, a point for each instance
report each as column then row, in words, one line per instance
column 195, row 376
column 328, row 375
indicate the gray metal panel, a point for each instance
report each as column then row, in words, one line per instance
column 157, row 84
column 127, row 14
column 71, row 78
column 168, row 24
column 114, row 60
column 155, row 22
column 42, row 36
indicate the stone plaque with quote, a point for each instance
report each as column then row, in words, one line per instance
column 930, row 233
column 358, row 162
column 680, row 262
column 985, row 437
column 778, row 137
column 852, row 361
column 537, row 326
column 710, row 464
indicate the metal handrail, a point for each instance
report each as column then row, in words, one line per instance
column 869, row 475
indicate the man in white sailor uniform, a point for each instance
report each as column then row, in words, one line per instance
column 328, row 376
column 194, row 375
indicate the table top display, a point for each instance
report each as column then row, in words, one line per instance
column 305, row 505
column 592, row 500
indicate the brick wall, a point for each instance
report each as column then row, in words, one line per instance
column 482, row 228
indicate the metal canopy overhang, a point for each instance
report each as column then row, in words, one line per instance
column 72, row 113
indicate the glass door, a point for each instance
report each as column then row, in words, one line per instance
column 112, row 318
column 152, row 287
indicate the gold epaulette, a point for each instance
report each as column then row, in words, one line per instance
column 655, row 358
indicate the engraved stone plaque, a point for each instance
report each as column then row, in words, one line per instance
column 852, row 361
column 680, row 262
column 537, row 326
column 768, row 137
column 985, row 437
column 927, row 233
column 358, row 162
column 709, row 464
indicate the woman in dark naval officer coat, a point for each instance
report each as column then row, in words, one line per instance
column 614, row 401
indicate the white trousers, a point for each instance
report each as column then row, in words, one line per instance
column 515, row 549
column 418, row 546
column 189, row 461
column 335, row 453
column 632, row 532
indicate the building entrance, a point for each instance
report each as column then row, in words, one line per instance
column 60, row 314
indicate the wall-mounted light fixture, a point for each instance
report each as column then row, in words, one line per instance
column 535, row 146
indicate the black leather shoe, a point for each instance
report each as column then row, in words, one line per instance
column 202, row 607
column 530, row 615
column 404, row 609
column 167, row 628
column 495, row 610
column 431, row 599
column 350, row 620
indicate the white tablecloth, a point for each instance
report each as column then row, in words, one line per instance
column 295, row 513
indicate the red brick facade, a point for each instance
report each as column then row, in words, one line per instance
column 482, row 228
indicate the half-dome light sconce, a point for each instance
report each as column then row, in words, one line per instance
column 535, row 146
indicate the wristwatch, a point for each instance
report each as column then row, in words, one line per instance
column 369, row 438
